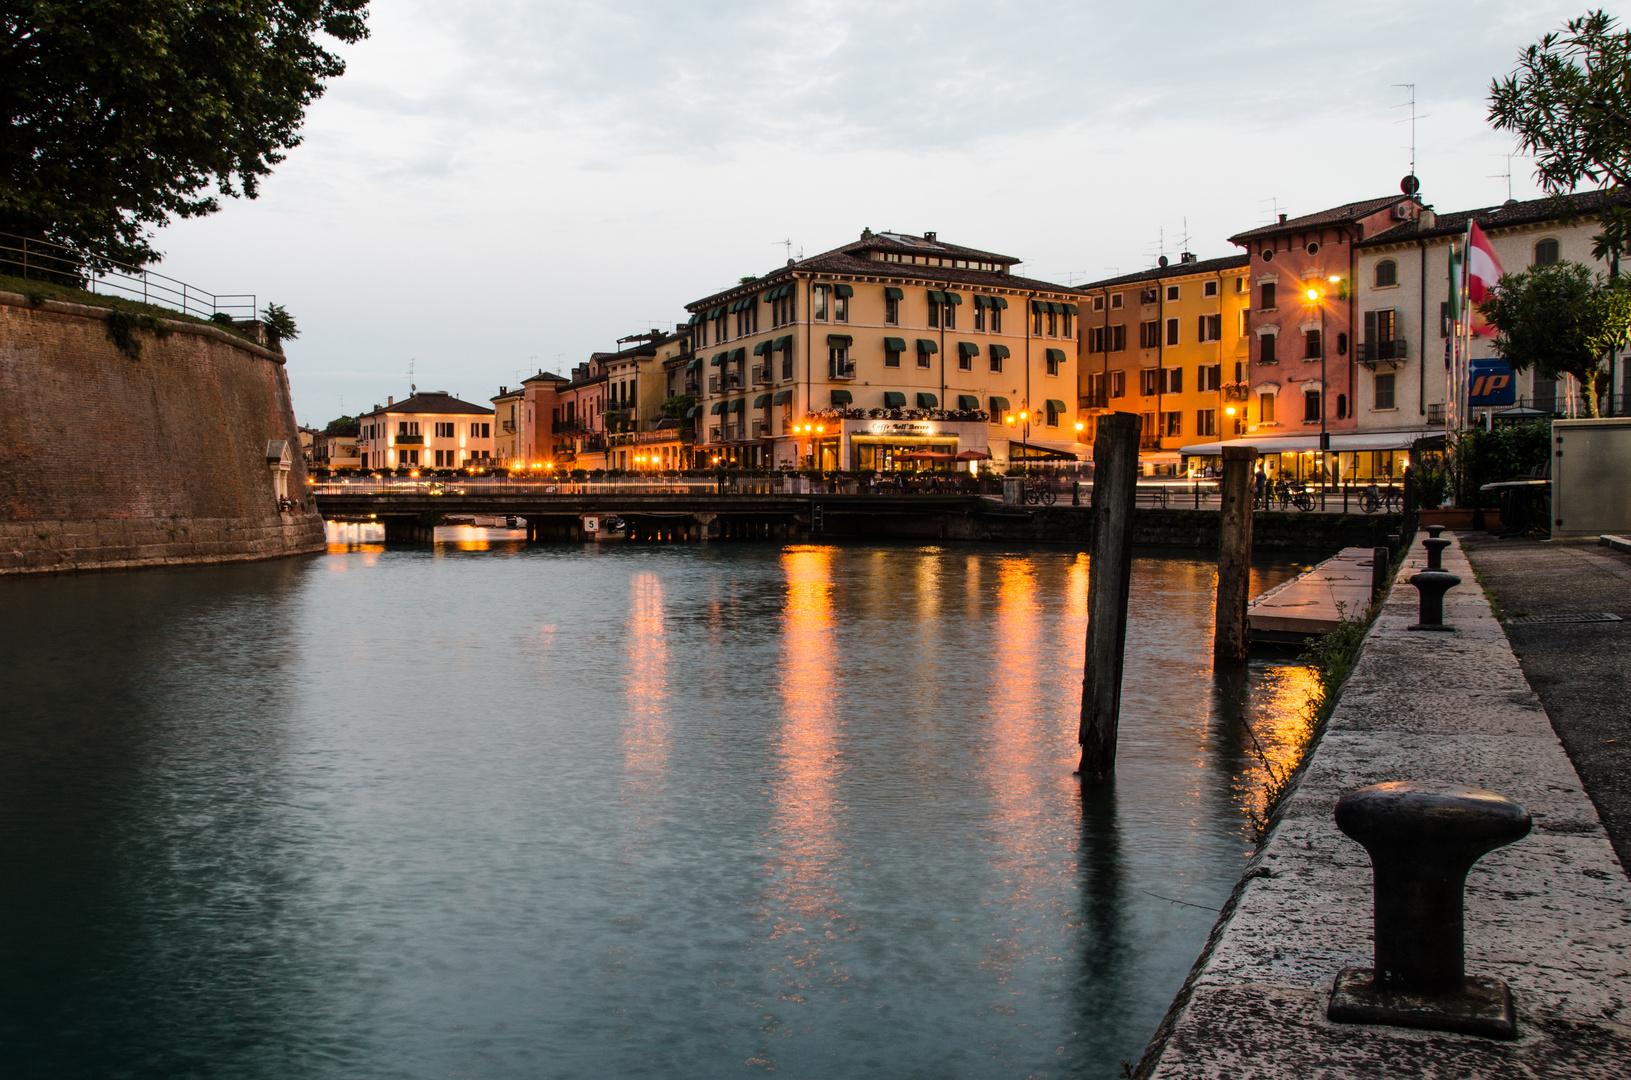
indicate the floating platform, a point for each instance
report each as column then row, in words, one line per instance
column 1315, row 601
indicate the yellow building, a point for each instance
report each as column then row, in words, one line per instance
column 640, row 436
column 888, row 346
column 508, row 406
column 1172, row 344
column 430, row 430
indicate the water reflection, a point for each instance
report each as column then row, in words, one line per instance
column 646, row 723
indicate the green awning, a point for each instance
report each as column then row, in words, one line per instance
column 761, row 348
column 843, row 290
column 954, row 298
column 784, row 343
column 1072, row 309
column 842, row 397
column 927, row 401
column 894, row 344
column 839, row 341
column 999, row 352
column 936, row 296
column 981, row 301
column 1056, row 307
column 1056, row 406
column 1039, row 306
column 927, row 345
column 967, row 348
column 1000, row 302
column 892, row 293
column 735, row 306
column 894, row 400
column 693, row 412
column 968, row 403
column 1056, row 355
column 739, row 405
column 717, row 359
column 716, row 313
column 719, row 407
column 762, row 401
column 693, row 363
column 692, row 321
column 998, row 405
column 738, row 355
column 782, row 397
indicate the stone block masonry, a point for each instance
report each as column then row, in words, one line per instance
column 110, row 462
column 1551, row 914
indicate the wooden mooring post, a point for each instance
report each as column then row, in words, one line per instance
column 1110, row 576
column 1231, row 636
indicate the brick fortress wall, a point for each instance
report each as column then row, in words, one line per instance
column 108, row 461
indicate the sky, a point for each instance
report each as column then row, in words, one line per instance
column 496, row 187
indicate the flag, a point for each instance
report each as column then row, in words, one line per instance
column 1483, row 271
column 1455, row 287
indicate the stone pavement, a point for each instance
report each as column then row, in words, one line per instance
column 1551, row 914
column 1581, row 670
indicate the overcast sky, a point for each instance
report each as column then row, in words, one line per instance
column 495, row 187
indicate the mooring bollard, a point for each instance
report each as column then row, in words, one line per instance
column 1432, row 583
column 1380, row 560
column 1423, row 838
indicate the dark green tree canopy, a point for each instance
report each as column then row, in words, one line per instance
column 122, row 114
column 1561, row 320
column 1569, row 103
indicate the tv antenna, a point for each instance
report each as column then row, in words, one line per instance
column 413, row 387
column 1274, row 208
column 1411, row 119
column 1187, row 237
column 787, row 244
column 1507, row 176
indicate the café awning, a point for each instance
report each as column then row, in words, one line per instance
column 842, row 397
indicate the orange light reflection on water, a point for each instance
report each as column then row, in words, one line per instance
column 802, row 899
column 647, row 722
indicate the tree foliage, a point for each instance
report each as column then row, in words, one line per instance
column 280, row 326
column 1569, row 103
column 343, row 426
column 1560, row 320
column 123, row 114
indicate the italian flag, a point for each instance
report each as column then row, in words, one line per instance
column 1483, row 271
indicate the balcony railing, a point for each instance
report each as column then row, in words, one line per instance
column 1371, row 352
column 840, row 369
column 761, row 374
column 1095, row 401
column 410, row 440
column 1238, row 391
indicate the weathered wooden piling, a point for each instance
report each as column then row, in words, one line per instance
column 1110, row 576
column 1231, row 637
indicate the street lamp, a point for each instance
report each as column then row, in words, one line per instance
column 1315, row 297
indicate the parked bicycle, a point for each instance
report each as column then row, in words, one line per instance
column 1037, row 491
column 1374, row 498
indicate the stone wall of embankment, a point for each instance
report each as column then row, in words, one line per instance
column 108, row 460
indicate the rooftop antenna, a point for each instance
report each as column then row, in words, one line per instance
column 788, row 245
column 1507, row 176
column 1411, row 119
column 1187, row 237
column 1161, row 246
column 413, row 387
column 1274, row 208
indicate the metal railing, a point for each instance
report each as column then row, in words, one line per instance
column 21, row 256
column 1372, row 351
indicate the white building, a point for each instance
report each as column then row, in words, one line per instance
column 430, row 430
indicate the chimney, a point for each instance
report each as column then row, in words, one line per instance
column 929, row 236
column 1187, row 257
column 390, row 399
column 1427, row 218
column 1282, row 219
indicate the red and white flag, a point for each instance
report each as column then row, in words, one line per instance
column 1483, row 271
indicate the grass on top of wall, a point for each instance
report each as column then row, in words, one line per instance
column 38, row 291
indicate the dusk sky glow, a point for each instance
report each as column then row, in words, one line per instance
column 496, row 187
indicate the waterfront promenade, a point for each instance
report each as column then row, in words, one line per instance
column 1551, row 914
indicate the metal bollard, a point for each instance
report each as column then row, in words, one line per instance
column 1434, row 531
column 1431, row 585
column 1423, row 838
column 1435, row 552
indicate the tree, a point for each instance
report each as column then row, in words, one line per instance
column 121, row 114
column 279, row 324
column 1560, row 320
column 342, row 426
column 1569, row 103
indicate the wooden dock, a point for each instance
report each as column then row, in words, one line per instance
column 1315, row 601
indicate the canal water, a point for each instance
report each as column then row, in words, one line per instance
column 724, row 810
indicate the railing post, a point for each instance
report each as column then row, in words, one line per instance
column 1115, row 494
column 1231, row 641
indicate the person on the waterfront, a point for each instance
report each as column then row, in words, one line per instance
column 1261, row 483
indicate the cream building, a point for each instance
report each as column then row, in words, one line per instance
column 886, row 346
column 508, row 421
column 430, row 430
column 1402, row 323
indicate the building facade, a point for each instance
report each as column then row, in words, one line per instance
column 1172, row 344
column 540, row 413
column 428, row 430
column 640, row 434
column 890, row 346
column 508, row 409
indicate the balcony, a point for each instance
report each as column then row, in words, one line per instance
column 1236, row 391
column 1371, row 353
column 409, row 440
column 507, row 425
column 1095, row 401
column 730, row 382
column 840, row 369
column 761, row 374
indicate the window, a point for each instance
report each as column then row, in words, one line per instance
column 1211, row 376
column 934, row 313
column 1095, row 338
column 1118, row 338
column 996, row 319
column 1055, row 358
column 838, row 365
column 891, row 311
column 1266, row 349
column 965, row 360
column 787, row 363
column 1245, row 322
column 1115, row 302
column 1149, row 335
column 1311, row 347
column 1206, row 422
column 1546, row 252
column 979, row 317
column 1095, row 390
column 1172, row 380
column 1209, row 328
column 1098, row 303
column 1053, row 413
column 840, row 308
column 1267, row 291
column 1172, row 293
column 951, row 316
column 1380, row 328
column 1036, row 322
column 1118, row 384
column 1311, row 406
column 408, row 457
column 1385, row 391
column 444, row 431
column 1387, row 273
column 1148, row 381
column 1053, row 324
column 1064, row 325
column 1172, row 331
column 820, row 302
column 1172, row 424
column 1209, row 289
column 1240, row 284
column 1265, row 408
column 891, row 357
column 923, row 359
column 1342, row 406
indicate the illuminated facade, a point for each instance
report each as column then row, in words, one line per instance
column 430, row 430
